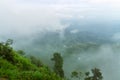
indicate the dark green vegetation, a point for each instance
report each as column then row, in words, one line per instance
column 14, row 65
column 96, row 75
column 58, row 64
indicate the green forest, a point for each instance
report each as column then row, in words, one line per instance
column 15, row 65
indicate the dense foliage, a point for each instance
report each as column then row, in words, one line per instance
column 58, row 64
column 14, row 66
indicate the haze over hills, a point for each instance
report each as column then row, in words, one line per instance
column 85, row 32
column 85, row 49
column 80, row 49
column 86, row 45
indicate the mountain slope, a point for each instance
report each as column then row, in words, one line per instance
column 14, row 66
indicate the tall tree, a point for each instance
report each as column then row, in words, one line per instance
column 97, row 75
column 58, row 66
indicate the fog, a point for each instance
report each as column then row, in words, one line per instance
column 41, row 28
column 106, row 58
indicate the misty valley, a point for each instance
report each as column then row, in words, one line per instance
column 59, row 39
column 74, row 55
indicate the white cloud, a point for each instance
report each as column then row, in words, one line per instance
column 27, row 18
column 54, row 1
column 105, row 1
column 110, row 3
column 74, row 31
column 24, row 17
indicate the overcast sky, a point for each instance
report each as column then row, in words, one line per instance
column 25, row 17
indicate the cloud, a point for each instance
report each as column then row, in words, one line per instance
column 112, row 3
column 74, row 31
column 105, row 1
column 54, row 1
column 27, row 18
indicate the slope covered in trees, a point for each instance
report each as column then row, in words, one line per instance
column 14, row 66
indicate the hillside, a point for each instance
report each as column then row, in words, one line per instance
column 15, row 66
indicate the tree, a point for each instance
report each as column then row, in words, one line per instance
column 9, row 42
column 21, row 52
column 97, row 75
column 36, row 61
column 76, row 74
column 6, row 50
column 58, row 64
column 87, row 76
